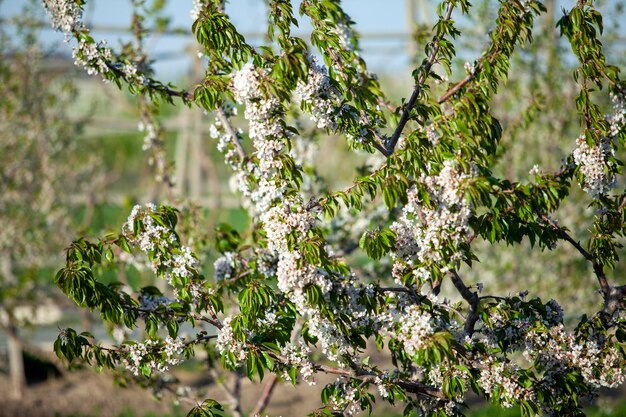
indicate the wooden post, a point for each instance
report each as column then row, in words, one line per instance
column 424, row 17
column 553, row 39
column 195, row 167
column 411, row 47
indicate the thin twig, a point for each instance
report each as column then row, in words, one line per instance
column 598, row 268
column 234, row 139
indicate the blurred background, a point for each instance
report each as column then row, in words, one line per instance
column 72, row 164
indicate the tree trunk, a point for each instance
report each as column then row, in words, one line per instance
column 16, row 363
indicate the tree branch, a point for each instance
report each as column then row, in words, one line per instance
column 221, row 115
column 598, row 268
column 454, row 89
column 424, row 70
column 357, row 373
column 471, row 298
column 268, row 389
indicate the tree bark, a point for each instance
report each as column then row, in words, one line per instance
column 16, row 363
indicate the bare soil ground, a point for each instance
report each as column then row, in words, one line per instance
column 86, row 393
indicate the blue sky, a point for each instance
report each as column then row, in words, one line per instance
column 372, row 16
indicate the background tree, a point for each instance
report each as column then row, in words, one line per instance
column 43, row 171
column 293, row 296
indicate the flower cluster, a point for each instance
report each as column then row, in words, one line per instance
column 432, row 135
column 541, row 338
column 559, row 351
column 65, row 15
column 318, row 96
column 93, row 57
column 414, row 329
column 592, row 162
column 282, row 220
column 432, row 233
column 595, row 162
column 298, row 356
column 470, row 68
column 268, row 134
column 291, row 222
column 617, row 120
column 151, row 132
column 151, row 302
column 176, row 263
column 226, row 343
column 150, row 235
column 153, row 355
column 381, row 387
column 344, row 400
column 225, row 141
column 499, row 377
column 345, row 36
column 194, row 13
column 224, row 266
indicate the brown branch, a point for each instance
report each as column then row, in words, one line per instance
column 268, row 389
column 410, row 386
column 454, row 89
column 271, row 383
column 424, row 70
column 417, row 298
column 357, row 373
column 185, row 95
column 471, row 298
column 615, row 300
column 598, row 268
column 168, row 312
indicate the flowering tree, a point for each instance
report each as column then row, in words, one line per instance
column 322, row 274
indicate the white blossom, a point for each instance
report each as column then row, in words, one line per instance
column 422, row 232
column 298, row 356
column 319, row 96
column 224, row 266
column 65, row 15
column 535, row 170
column 154, row 355
column 414, row 329
column 194, row 13
column 226, row 342
column 592, row 162
column 344, row 33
